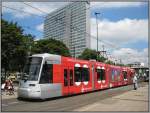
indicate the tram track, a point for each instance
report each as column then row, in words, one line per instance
column 69, row 103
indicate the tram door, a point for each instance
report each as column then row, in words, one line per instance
column 68, row 80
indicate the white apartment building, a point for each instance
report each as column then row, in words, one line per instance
column 71, row 25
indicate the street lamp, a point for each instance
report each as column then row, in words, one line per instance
column 97, row 31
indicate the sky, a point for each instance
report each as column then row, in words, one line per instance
column 122, row 26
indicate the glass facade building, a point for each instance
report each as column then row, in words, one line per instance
column 71, row 25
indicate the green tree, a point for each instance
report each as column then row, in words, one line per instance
column 110, row 62
column 51, row 46
column 113, row 63
column 91, row 54
column 13, row 49
column 118, row 64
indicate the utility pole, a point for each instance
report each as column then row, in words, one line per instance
column 97, row 31
column 115, row 61
column 29, row 50
column 120, row 61
column 29, row 47
column 74, row 52
column 103, row 50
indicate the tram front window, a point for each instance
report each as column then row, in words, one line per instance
column 32, row 69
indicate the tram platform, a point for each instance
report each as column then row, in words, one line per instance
column 134, row 100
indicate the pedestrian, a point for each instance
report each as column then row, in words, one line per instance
column 144, row 75
column 135, row 82
column 10, row 87
column 6, row 86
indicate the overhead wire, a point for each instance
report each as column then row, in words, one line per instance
column 35, row 8
column 22, row 11
column 44, row 17
column 76, row 28
column 73, row 26
column 88, row 34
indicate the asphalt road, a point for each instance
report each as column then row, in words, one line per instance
column 69, row 103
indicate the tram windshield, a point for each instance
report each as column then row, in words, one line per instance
column 32, row 69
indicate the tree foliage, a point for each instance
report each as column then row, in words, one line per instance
column 13, row 47
column 110, row 62
column 91, row 54
column 113, row 63
column 118, row 64
column 51, row 46
column 16, row 46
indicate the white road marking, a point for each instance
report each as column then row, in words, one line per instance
column 13, row 103
column 4, row 105
column 10, row 103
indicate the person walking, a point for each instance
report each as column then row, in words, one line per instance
column 144, row 76
column 135, row 82
column 10, row 87
column 6, row 86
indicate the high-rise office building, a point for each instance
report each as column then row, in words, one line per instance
column 71, row 25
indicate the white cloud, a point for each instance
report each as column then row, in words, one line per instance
column 116, row 33
column 51, row 6
column 95, row 5
column 44, row 6
column 121, row 32
column 40, row 27
column 128, row 55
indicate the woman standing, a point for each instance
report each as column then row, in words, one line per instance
column 135, row 82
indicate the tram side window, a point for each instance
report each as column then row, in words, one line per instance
column 47, row 74
column 65, row 78
column 125, row 74
column 85, row 74
column 118, row 75
column 113, row 75
column 100, row 74
column 71, row 77
column 77, row 74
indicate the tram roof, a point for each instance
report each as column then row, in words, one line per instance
column 46, row 55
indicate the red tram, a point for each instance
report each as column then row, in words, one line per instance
column 47, row 75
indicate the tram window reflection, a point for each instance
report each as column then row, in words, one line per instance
column 71, row 77
column 124, row 74
column 113, row 75
column 100, row 74
column 47, row 73
column 85, row 74
column 65, row 78
column 77, row 74
column 118, row 75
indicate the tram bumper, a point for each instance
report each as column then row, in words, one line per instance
column 29, row 93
